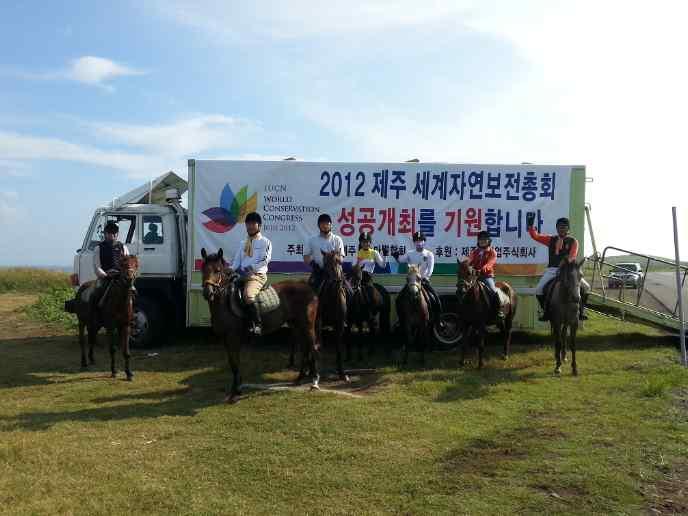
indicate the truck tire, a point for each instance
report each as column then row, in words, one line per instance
column 146, row 324
column 450, row 336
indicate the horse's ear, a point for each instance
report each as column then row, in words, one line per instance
column 219, row 254
column 203, row 253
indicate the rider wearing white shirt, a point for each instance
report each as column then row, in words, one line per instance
column 251, row 261
column 325, row 241
column 425, row 260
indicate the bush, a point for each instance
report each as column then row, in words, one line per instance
column 50, row 307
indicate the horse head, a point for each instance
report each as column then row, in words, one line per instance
column 129, row 266
column 413, row 280
column 570, row 276
column 466, row 278
column 332, row 266
column 216, row 275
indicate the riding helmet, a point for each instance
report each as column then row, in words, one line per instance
column 563, row 221
column 418, row 236
column 324, row 217
column 484, row 235
column 254, row 217
column 111, row 227
column 365, row 237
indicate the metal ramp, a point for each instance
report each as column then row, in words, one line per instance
column 658, row 308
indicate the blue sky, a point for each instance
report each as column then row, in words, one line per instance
column 96, row 98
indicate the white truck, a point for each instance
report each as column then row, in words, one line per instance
column 449, row 202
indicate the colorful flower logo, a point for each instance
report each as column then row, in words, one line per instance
column 232, row 209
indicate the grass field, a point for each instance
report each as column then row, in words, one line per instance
column 510, row 439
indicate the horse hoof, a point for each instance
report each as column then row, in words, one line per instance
column 84, row 367
column 231, row 399
column 130, row 377
column 346, row 378
column 557, row 371
column 505, row 357
column 315, row 387
column 113, row 375
column 575, row 372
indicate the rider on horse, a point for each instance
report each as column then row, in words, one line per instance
column 483, row 259
column 425, row 260
column 325, row 241
column 367, row 257
column 251, row 262
column 106, row 262
column 562, row 246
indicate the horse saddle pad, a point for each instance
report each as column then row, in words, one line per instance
column 267, row 301
column 503, row 298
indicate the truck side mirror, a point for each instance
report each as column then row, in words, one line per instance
column 78, row 250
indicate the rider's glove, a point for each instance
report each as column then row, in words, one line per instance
column 530, row 219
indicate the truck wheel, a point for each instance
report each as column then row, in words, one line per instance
column 145, row 327
column 449, row 336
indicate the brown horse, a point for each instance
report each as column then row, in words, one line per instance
column 332, row 311
column 298, row 306
column 476, row 311
column 414, row 313
column 564, row 302
column 366, row 307
column 116, row 314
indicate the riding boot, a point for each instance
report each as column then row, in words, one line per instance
column 544, row 316
column 581, row 307
column 499, row 309
column 256, row 321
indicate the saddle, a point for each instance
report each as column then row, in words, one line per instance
column 267, row 300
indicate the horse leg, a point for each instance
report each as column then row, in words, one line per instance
column 481, row 346
column 572, row 337
column 113, row 347
column 292, row 362
column 126, row 353
column 233, row 347
column 340, row 351
column 465, row 342
column 507, row 336
column 373, row 332
column 92, row 337
column 82, row 344
column 557, row 330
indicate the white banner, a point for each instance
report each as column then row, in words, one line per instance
column 450, row 203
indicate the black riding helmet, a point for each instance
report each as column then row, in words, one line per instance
column 324, row 217
column 111, row 227
column 563, row 221
column 254, row 217
column 418, row 236
column 484, row 235
column 365, row 237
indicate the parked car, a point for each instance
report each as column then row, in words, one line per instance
column 626, row 274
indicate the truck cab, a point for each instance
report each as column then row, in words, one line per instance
column 152, row 224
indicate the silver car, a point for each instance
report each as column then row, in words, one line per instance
column 626, row 274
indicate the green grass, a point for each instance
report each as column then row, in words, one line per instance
column 510, row 439
column 30, row 280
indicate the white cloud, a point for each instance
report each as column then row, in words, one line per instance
column 184, row 137
column 97, row 70
column 20, row 147
column 90, row 70
column 305, row 18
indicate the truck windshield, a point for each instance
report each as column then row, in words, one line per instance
column 126, row 225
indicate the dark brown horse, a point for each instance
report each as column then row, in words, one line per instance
column 476, row 310
column 414, row 314
column 298, row 307
column 332, row 311
column 366, row 307
column 116, row 314
column 564, row 302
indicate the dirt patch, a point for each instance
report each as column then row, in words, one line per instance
column 670, row 494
